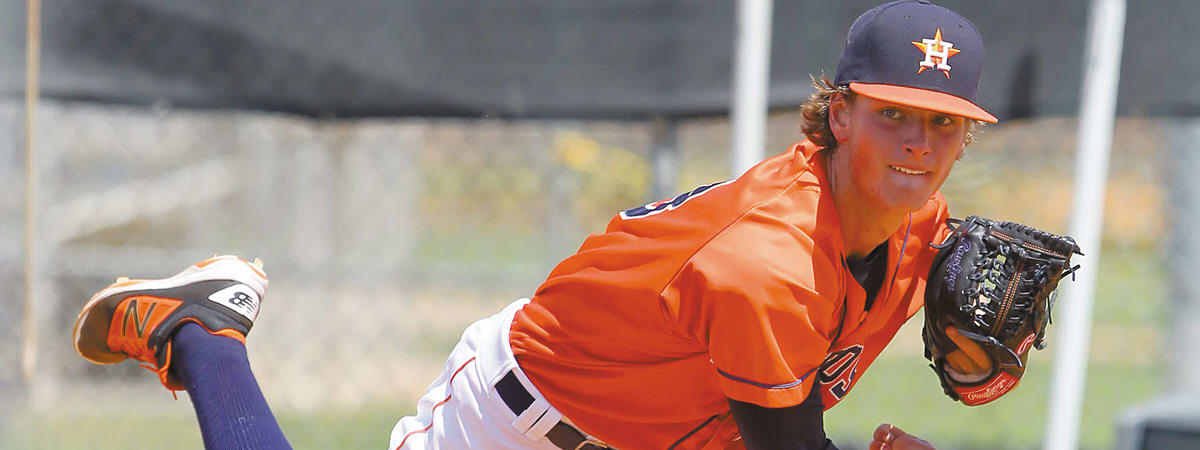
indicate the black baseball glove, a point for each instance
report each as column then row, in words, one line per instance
column 987, row 301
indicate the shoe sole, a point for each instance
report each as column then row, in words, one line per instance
column 92, row 325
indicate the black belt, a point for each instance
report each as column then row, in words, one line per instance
column 562, row 435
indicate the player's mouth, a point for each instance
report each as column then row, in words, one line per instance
column 908, row 171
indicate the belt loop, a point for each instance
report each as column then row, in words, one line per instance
column 543, row 425
column 530, row 416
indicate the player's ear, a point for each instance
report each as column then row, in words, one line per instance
column 839, row 117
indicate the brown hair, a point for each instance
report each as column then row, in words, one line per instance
column 814, row 113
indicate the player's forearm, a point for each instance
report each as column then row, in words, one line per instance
column 794, row 427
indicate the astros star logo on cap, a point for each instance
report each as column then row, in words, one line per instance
column 937, row 53
column 878, row 59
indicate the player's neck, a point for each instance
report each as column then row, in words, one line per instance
column 863, row 229
column 865, row 223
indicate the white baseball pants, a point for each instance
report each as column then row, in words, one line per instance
column 461, row 409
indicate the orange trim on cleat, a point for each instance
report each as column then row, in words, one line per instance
column 205, row 263
column 124, row 282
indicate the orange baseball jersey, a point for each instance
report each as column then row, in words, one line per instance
column 737, row 289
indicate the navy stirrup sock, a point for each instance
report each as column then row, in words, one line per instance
column 229, row 404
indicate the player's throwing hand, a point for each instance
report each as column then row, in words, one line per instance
column 888, row 437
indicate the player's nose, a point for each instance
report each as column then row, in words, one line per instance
column 916, row 139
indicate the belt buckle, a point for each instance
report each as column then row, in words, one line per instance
column 591, row 441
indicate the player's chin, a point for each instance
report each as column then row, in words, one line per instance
column 908, row 199
column 913, row 192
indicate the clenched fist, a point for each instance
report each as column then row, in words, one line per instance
column 888, row 437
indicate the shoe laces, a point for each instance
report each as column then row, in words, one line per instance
column 138, row 349
column 147, row 359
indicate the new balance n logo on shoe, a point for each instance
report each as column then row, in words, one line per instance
column 139, row 322
column 142, row 314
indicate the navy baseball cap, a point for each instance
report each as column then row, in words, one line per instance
column 918, row 54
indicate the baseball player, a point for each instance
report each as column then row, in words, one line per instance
column 729, row 316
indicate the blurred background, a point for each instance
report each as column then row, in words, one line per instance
column 406, row 168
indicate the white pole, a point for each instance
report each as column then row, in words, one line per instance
column 751, row 74
column 1097, row 105
column 29, row 322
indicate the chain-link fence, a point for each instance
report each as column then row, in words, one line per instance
column 385, row 238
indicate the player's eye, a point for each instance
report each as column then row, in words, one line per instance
column 942, row 120
column 891, row 113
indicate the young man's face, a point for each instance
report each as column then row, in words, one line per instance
column 896, row 156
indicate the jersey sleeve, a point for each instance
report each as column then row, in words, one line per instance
column 759, row 314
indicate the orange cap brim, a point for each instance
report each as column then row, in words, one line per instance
column 923, row 99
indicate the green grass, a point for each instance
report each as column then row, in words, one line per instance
column 123, row 431
column 365, row 428
column 1131, row 288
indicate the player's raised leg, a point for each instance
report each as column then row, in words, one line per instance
column 190, row 330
